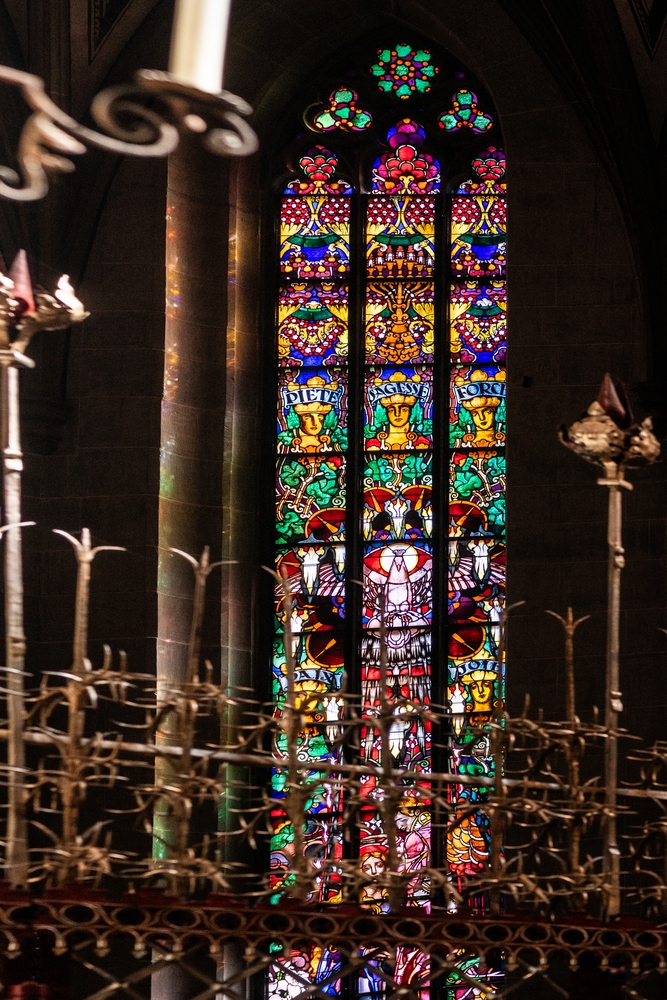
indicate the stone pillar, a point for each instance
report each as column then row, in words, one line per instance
column 192, row 423
column 248, row 480
column 192, row 429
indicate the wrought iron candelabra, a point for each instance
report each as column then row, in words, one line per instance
column 131, row 127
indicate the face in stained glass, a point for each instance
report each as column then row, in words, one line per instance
column 402, row 573
column 398, row 408
column 399, row 322
column 476, row 553
column 318, row 263
column 474, row 688
column 312, row 324
column 310, row 498
column 312, row 415
column 318, row 675
column 399, row 236
column 413, row 843
column 477, row 401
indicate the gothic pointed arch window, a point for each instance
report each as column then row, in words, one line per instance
column 390, row 479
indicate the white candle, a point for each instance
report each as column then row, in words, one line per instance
column 198, row 43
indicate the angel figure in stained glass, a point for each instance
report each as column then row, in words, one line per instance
column 402, row 572
column 457, row 708
column 317, row 586
column 474, row 567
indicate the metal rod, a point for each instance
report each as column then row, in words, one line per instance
column 572, row 750
column 75, row 759
column 614, row 482
column 269, row 761
column 17, row 829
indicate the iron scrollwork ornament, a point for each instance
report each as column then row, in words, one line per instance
column 131, row 128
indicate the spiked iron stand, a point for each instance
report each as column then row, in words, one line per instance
column 23, row 311
column 607, row 435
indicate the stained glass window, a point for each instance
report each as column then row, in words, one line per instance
column 342, row 111
column 390, row 325
column 465, row 113
column 404, row 71
column 312, row 445
column 476, row 531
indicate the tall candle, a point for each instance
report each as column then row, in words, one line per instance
column 198, row 43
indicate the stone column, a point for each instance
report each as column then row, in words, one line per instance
column 192, row 426
column 193, row 400
column 248, row 482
